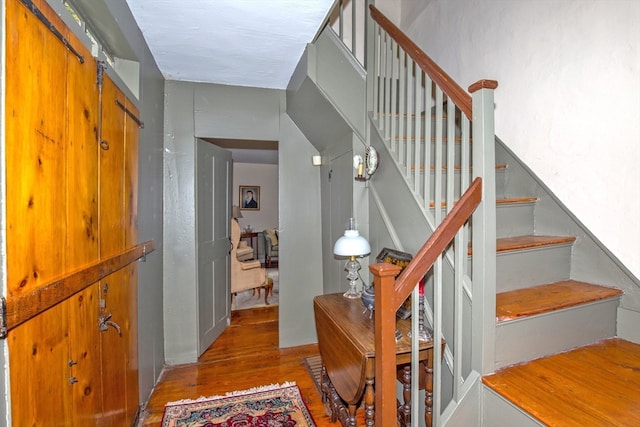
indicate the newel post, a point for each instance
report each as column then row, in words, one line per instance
column 384, row 276
column 484, row 229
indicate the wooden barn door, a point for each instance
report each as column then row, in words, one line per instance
column 118, row 292
column 69, row 205
column 41, row 217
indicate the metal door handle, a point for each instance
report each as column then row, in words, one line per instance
column 104, row 323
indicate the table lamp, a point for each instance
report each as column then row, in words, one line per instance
column 352, row 245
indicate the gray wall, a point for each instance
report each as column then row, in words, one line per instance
column 179, row 256
column 219, row 111
column 300, row 260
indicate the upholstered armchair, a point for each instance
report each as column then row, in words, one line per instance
column 244, row 274
column 270, row 245
column 244, row 251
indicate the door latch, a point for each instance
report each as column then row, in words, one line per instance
column 104, row 322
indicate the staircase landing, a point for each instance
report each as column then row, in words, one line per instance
column 596, row 385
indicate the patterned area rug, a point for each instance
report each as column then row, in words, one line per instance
column 250, row 299
column 274, row 405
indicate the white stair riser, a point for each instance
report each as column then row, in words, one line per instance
column 530, row 267
column 514, row 219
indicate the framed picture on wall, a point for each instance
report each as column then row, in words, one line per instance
column 250, row 197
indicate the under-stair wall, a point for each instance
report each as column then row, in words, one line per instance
column 326, row 94
column 326, row 100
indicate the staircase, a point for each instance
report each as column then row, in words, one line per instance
column 544, row 315
column 558, row 290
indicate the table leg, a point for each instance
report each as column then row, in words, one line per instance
column 351, row 421
column 324, row 384
column 428, row 388
column 369, row 399
column 404, row 410
column 339, row 411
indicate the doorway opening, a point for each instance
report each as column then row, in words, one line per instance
column 255, row 207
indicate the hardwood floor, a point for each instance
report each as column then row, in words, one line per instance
column 561, row 390
column 596, row 385
column 246, row 355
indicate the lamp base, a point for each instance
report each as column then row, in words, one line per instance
column 352, row 293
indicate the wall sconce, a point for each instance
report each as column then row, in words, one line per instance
column 316, row 160
column 368, row 164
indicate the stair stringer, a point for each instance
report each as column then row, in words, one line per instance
column 325, row 96
column 499, row 412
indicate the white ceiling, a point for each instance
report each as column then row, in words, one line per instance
column 252, row 43
column 233, row 42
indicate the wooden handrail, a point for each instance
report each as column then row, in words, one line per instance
column 391, row 293
column 453, row 91
column 18, row 310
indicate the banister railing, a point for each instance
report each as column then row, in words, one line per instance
column 440, row 138
column 390, row 294
column 450, row 88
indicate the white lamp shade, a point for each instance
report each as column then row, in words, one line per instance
column 351, row 244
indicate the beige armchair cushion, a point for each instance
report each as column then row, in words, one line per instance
column 272, row 236
column 244, row 274
column 244, row 251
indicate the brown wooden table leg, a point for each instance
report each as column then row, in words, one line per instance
column 324, row 384
column 369, row 399
column 339, row 411
column 404, row 410
column 428, row 388
column 351, row 421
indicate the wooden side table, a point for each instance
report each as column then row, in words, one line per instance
column 347, row 346
column 250, row 237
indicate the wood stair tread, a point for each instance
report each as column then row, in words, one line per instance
column 412, row 168
column 515, row 243
column 500, row 202
column 516, row 200
column 530, row 241
column 595, row 385
column 520, row 303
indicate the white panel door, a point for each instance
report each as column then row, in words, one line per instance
column 213, row 202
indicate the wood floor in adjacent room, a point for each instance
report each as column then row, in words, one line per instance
column 246, row 355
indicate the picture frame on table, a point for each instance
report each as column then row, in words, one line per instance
column 249, row 197
column 401, row 259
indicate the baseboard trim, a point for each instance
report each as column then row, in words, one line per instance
column 628, row 321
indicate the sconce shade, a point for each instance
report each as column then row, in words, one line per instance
column 236, row 212
column 351, row 244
